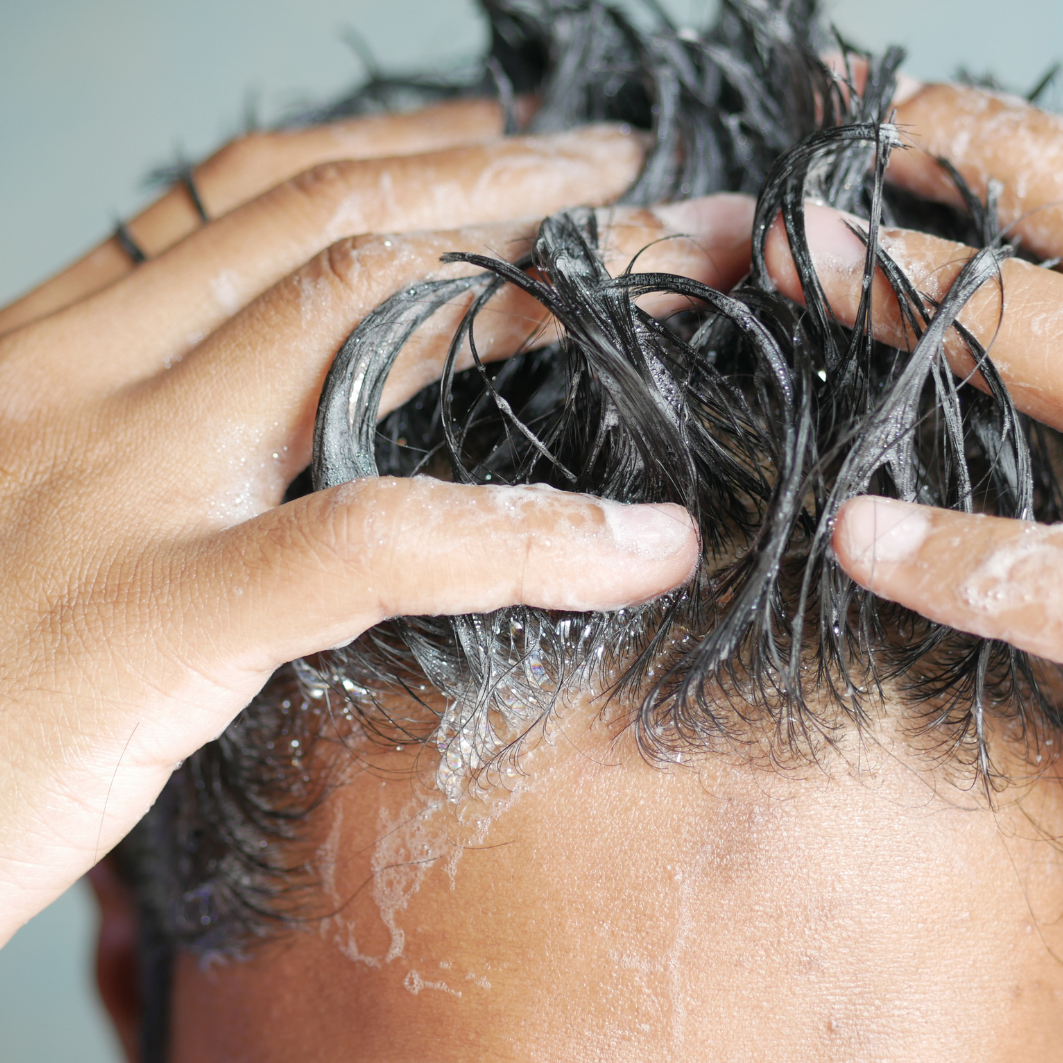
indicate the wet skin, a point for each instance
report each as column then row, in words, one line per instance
column 876, row 914
column 597, row 908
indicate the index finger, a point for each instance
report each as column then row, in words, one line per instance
column 295, row 329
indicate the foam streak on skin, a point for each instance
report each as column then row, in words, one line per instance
column 415, row 983
column 987, row 135
column 405, row 853
column 1006, row 577
column 988, row 576
column 341, row 926
column 413, row 838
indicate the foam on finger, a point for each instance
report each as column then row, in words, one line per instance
column 988, row 576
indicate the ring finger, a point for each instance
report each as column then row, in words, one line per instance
column 249, row 167
column 264, row 369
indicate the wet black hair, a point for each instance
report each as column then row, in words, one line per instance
column 760, row 416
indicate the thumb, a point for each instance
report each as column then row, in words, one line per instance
column 319, row 571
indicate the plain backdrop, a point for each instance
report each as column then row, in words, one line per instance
column 93, row 93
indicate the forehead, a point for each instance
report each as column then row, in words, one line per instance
column 590, row 899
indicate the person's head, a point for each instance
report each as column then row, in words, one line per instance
column 766, row 816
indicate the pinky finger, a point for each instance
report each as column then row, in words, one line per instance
column 989, row 576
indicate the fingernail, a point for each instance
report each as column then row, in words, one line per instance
column 881, row 531
column 835, row 248
column 726, row 217
column 650, row 532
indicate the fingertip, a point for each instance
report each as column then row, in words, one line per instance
column 836, row 250
column 907, row 88
column 780, row 262
column 838, row 256
column 721, row 226
column 723, row 219
column 661, row 534
column 598, row 555
column 872, row 532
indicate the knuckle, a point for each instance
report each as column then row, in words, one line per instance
column 325, row 183
column 326, row 284
column 332, row 534
column 342, row 263
column 371, row 526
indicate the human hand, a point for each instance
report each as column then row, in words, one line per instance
column 991, row 577
column 152, row 421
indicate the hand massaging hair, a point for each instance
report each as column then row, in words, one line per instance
column 759, row 416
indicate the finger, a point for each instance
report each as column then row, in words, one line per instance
column 1025, row 341
column 246, row 168
column 986, row 136
column 168, row 305
column 265, row 369
column 317, row 572
column 989, row 576
column 705, row 239
column 249, row 167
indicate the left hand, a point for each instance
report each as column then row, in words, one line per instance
column 997, row 578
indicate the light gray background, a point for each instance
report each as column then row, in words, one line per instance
column 94, row 92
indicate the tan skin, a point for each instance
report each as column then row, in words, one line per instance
column 996, row 578
column 151, row 427
column 615, row 911
column 869, row 911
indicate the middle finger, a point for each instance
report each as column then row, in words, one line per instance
column 253, row 388
column 1024, row 336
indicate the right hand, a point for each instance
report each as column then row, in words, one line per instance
column 151, row 419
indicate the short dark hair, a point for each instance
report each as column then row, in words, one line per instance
column 759, row 416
